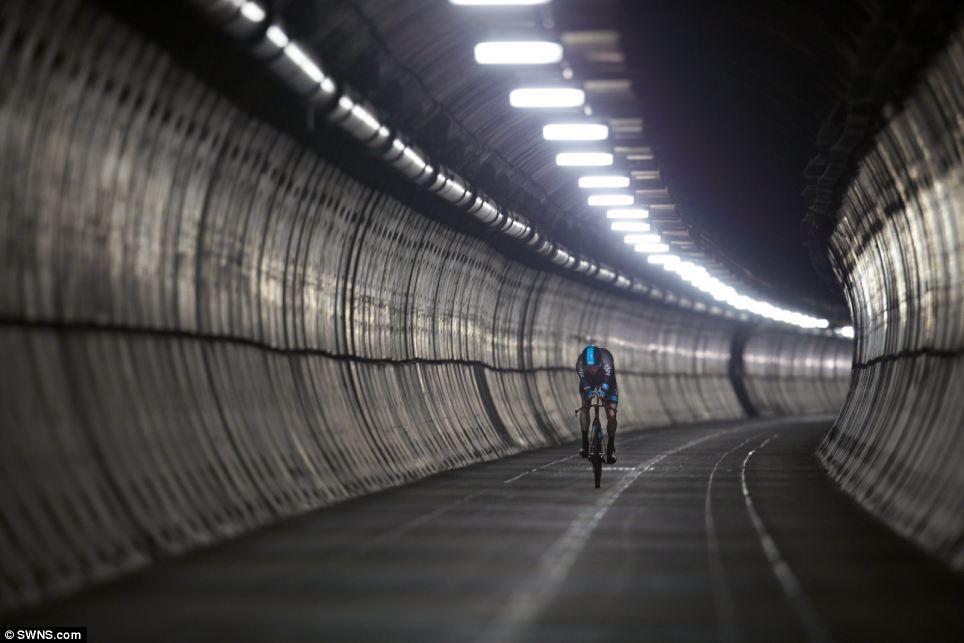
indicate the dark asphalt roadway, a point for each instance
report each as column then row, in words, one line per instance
column 714, row 532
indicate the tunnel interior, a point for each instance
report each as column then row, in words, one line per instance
column 260, row 259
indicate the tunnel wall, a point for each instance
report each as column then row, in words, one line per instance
column 787, row 373
column 206, row 328
column 898, row 445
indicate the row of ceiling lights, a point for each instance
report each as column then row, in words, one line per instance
column 629, row 220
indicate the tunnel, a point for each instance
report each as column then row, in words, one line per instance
column 293, row 294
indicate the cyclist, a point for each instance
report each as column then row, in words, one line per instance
column 597, row 375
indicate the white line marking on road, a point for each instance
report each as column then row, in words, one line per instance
column 525, row 473
column 529, row 600
column 806, row 613
column 729, row 627
column 633, row 437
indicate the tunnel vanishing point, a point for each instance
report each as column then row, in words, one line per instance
column 262, row 259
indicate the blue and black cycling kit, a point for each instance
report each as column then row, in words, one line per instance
column 596, row 368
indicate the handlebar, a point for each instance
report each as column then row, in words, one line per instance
column 597, row 405
column 591, row 406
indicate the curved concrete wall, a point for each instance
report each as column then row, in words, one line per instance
column 207, row 328
column 787, row 373
column 898, row 445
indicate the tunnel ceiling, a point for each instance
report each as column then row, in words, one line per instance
column 414, row 61
column 733, row 119
column 732, row 98
column 738, row 100
column 735, row 95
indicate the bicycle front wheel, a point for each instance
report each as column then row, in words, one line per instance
column 596, row 455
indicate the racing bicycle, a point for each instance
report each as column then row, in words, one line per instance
column 596, row 453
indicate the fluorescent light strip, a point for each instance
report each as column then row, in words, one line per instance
column 614, row 181
column 651, row 248
column 498, row 3
column 584, row 159
column 298, row 57
column 575, row 132
column 253, row 11
column 663, row 259
column 630, row 226
column 627, row 213
column 845, row 331
column 277, row 36
column 702, row 280
column 518, row 52
column 533, row 97
column 610, row 199
column 642, row 239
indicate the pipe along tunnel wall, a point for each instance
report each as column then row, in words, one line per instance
column 207, row 328
column 898, row 445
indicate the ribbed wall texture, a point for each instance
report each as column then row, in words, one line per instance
column 205, row 327
column 898, row 445
column 788, row 373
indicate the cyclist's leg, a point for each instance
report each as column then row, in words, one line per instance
column 611, row 420
column 611, row 411
column 611, row 426
column 584, row 423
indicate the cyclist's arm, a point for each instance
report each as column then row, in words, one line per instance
column 609, row 373
column 583, row 380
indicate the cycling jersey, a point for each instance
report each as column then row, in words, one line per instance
column 596, row 368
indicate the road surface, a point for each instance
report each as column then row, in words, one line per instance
column 714, row 532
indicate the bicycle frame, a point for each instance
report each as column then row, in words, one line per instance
column 596, row 403
column 596, row 437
